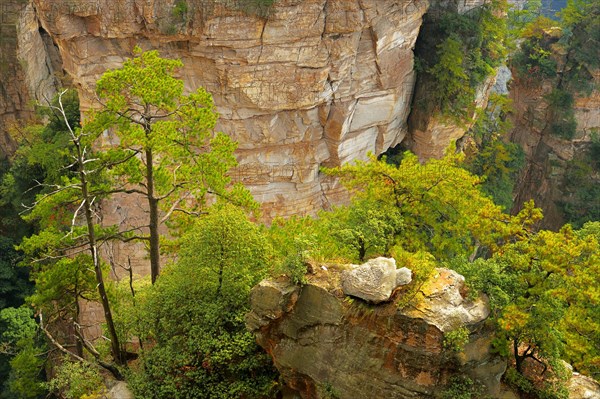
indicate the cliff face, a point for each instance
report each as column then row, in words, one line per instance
column 30, row 67
column 13, row 94
column 549, row 158
column 318, row 82
column 324, row 344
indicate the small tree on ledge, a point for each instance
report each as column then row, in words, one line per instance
column 178, row 157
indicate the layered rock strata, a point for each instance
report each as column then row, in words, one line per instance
column 30, row 68
column 317, row 82
column 547, row 155
column 323, row 343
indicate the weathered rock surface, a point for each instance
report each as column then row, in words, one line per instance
column 582, row 387
column 28, row 68
column 443, row 304
column 119, row 391
column 547, row 155
column 322, row 343
column 375, row 280
column 318, row 82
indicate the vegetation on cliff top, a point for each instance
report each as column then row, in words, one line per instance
column 468, row 47
column 186, row 332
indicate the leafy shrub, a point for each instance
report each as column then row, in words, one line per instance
column 194, row 316
column 456, row 339
column 462, row 387
column 76, row 380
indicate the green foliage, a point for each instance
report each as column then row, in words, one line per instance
column 25, row 380
column 581, row 325
column 577, row 11
column 462, row 387
column 195, row 316
column 543, row 296
column 16, row 325
column 454, row 92
column 497, row 161
column 14, row 286
column 422, row 264
column 469, row 47
column 519, row 18
column 363, row 230
column 534, row 59
column 456, row 339
column 581, row 188
column 168, row 149
column 181, row 9
column 442, row 208
column 293, row 242
column 577, row 35
column 36, row 161
column 550, row 390
column 19, row 346
column 329, row 392
column 491, row 276
column 76, row 380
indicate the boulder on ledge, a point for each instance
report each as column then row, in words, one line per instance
column 375, row 280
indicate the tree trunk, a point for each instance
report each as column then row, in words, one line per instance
column 89, row 218
column 518, row 358
column 153, row 225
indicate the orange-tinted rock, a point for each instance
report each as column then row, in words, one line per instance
column 318, row 82
column 323, row 343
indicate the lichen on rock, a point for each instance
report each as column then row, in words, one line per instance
column 322, row 340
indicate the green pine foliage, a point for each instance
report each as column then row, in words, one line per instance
column 194, row 315
column 498, row 162
column 469, row 47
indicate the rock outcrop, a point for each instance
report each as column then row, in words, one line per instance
column 324, row 344
column 317, row 82
column 375, row 280
column 30, row 68
column 548, row 157
column 582, row 387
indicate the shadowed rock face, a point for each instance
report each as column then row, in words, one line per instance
column 318, row 82
column 29, row 68
column 548, row 156
column 322, row 343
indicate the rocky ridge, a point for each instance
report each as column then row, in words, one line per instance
column 323, row 342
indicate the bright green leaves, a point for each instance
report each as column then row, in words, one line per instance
column 144, row 104
column 195, row 314
column 154, row 88
column 228, row 251
column 18, row 332
column 442, row 208
column 544, row 297
column 174, row 159
column 452, row 81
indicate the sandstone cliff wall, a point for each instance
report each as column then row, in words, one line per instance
column 317, row 82
column 30, row 68
column 547, row 155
